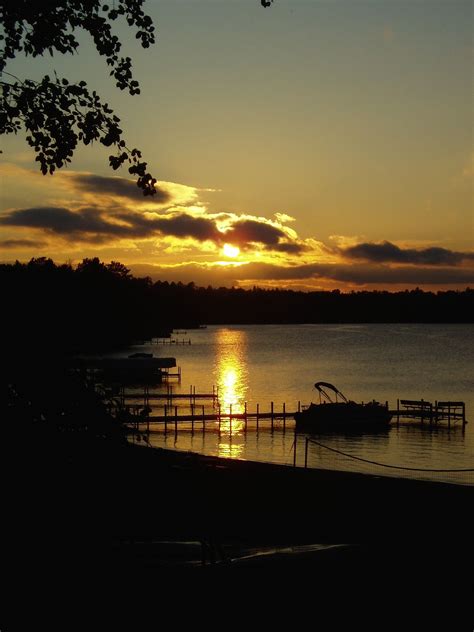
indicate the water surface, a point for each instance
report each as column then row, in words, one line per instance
column 260, row 364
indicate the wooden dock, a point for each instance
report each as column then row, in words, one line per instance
column 137, row 415
column 134, row 416
column 170, row 341
column 169, row 396
column 425, row 411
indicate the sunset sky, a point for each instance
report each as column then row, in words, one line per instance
column 313, row 144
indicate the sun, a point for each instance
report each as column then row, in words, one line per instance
column 230, row 251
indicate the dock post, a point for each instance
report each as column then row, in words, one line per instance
column 175, row 421
column 192, row 419
column 294, row 449
column 245, row 416
column 258, row 414
column 179, row 375
column 463, row 414
column 284, row 416
column 306, row 453
column 194, row 395
column 219, row 415
column 299, row 406
column 272, row 414
column 203, row 420
column 230, row 419
column 166, row 418
column 449, row 415
column 398, row 412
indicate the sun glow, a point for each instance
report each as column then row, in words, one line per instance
column 230, row 251
column 231, row 377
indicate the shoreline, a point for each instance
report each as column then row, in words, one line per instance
column 209, row 460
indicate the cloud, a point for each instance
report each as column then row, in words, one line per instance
column 387, row 252
column 184, row 225
column 94, row 224
column 246, row 232
column 116, row 186
column 87, row 224
column 91, row 224
column 7, row 244
column 283, row 218
column 364, row 274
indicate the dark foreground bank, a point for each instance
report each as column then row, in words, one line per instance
column 140, row 520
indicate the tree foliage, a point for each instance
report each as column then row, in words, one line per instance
column 57, row 114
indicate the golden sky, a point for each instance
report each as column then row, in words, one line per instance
column 311, row 145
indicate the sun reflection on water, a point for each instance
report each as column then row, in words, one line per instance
column 231, row 377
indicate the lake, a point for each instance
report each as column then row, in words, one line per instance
column 280, row 364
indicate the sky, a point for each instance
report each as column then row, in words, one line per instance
column 315, row 144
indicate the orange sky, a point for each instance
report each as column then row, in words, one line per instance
column 331, row 143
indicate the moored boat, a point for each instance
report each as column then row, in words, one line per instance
column 335, row 412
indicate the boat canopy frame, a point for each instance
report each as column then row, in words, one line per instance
column 324, row 387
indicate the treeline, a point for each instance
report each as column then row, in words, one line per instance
column 286, row 306
column 91, row 307
column 96, row 306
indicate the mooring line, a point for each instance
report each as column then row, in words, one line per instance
column 397, row 467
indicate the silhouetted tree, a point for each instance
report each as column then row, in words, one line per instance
column 55, row 113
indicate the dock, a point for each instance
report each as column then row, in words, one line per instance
column 425, row 411
column 137, row 416
column 152, row 407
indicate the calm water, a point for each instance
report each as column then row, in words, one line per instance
column 260, row 364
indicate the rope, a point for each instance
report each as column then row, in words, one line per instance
column 397, row 467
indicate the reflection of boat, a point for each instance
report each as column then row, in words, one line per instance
column 336, row 412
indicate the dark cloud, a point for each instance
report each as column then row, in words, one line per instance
column 94, row 225
column 21, row 243
column 387, row 252
column 90, row 183
column 91, row 224
column 290, row 247
column 184, row 225
column 248, row 231
column 84, row 224
column 342, row 273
